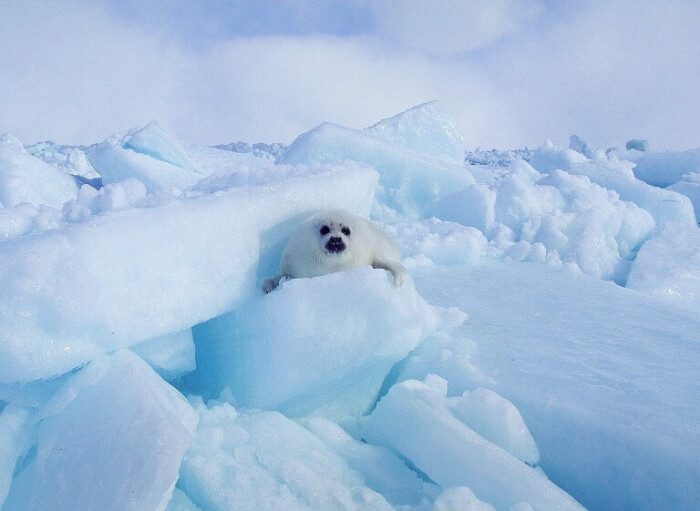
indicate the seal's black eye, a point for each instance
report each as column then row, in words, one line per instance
column 346, row 231
column 325, row 230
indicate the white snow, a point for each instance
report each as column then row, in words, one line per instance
column 541, row 354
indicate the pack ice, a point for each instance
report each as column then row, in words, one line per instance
column 534, row 359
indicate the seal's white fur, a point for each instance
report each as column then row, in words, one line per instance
column 307, row 255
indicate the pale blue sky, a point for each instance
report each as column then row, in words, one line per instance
column 513, row 72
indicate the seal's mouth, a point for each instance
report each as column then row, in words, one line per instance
column 335, row 245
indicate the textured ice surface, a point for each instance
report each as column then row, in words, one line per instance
column 148, row 155
column 112, row 438
column 152, row 141
column 602, row 375
column 181, row 502
column 321, row 345
column 380, row 468
column 662, row 168
column 428, row 128
column 559, row 218
column 13, row 442
column 260, row 461
column 497, row 420
column 415, row 419
column 668, row 265
column 599, row 380
column 115, row 280
column 459, row 498
column 71, row 160
column 409, row 181
column 617, row 175
column 170, row 355
column 689, row 185
column 24, row 178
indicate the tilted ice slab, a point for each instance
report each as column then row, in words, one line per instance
column 113, row 437
column 147, row 155
column 24, row 178
column 381, row 470
column 409, row 179
column 321, row 345
column 264, row 461
column 428, row 128
column 126, row 276
column 415, row 419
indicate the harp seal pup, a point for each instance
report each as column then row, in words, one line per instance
column 335, row 240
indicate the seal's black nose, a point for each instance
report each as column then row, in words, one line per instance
column 335, row 244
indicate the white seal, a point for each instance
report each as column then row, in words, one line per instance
column 335, row 240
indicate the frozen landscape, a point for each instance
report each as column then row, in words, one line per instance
column 542, row 354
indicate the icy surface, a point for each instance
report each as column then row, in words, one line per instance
column 662, row 168
column 112, row 438
column 148, row 155
column 577, row 270
column 559, row 218
column 601, row 374
column 497, row 420
column 61, row 287
column 415, row 419
column 261, row 461
column 24, row 178
column 459, row 498
column 171, row 356
column 668, row 264
column 280, row 351
column 409, row 180
column 152, row 141
column 13, row 440
column 637, row 144
column 428, row 128
column 617, row 175
column 71, row 160
column 689, row 185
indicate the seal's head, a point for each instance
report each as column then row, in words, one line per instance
column 334, row 236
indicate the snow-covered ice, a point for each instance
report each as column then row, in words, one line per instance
column 112, row 437
column 281, row 351
column 410, row 178
column 416, row 420
column 27, row 179
column 541, row 354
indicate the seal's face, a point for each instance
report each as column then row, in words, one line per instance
column 334, row 236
